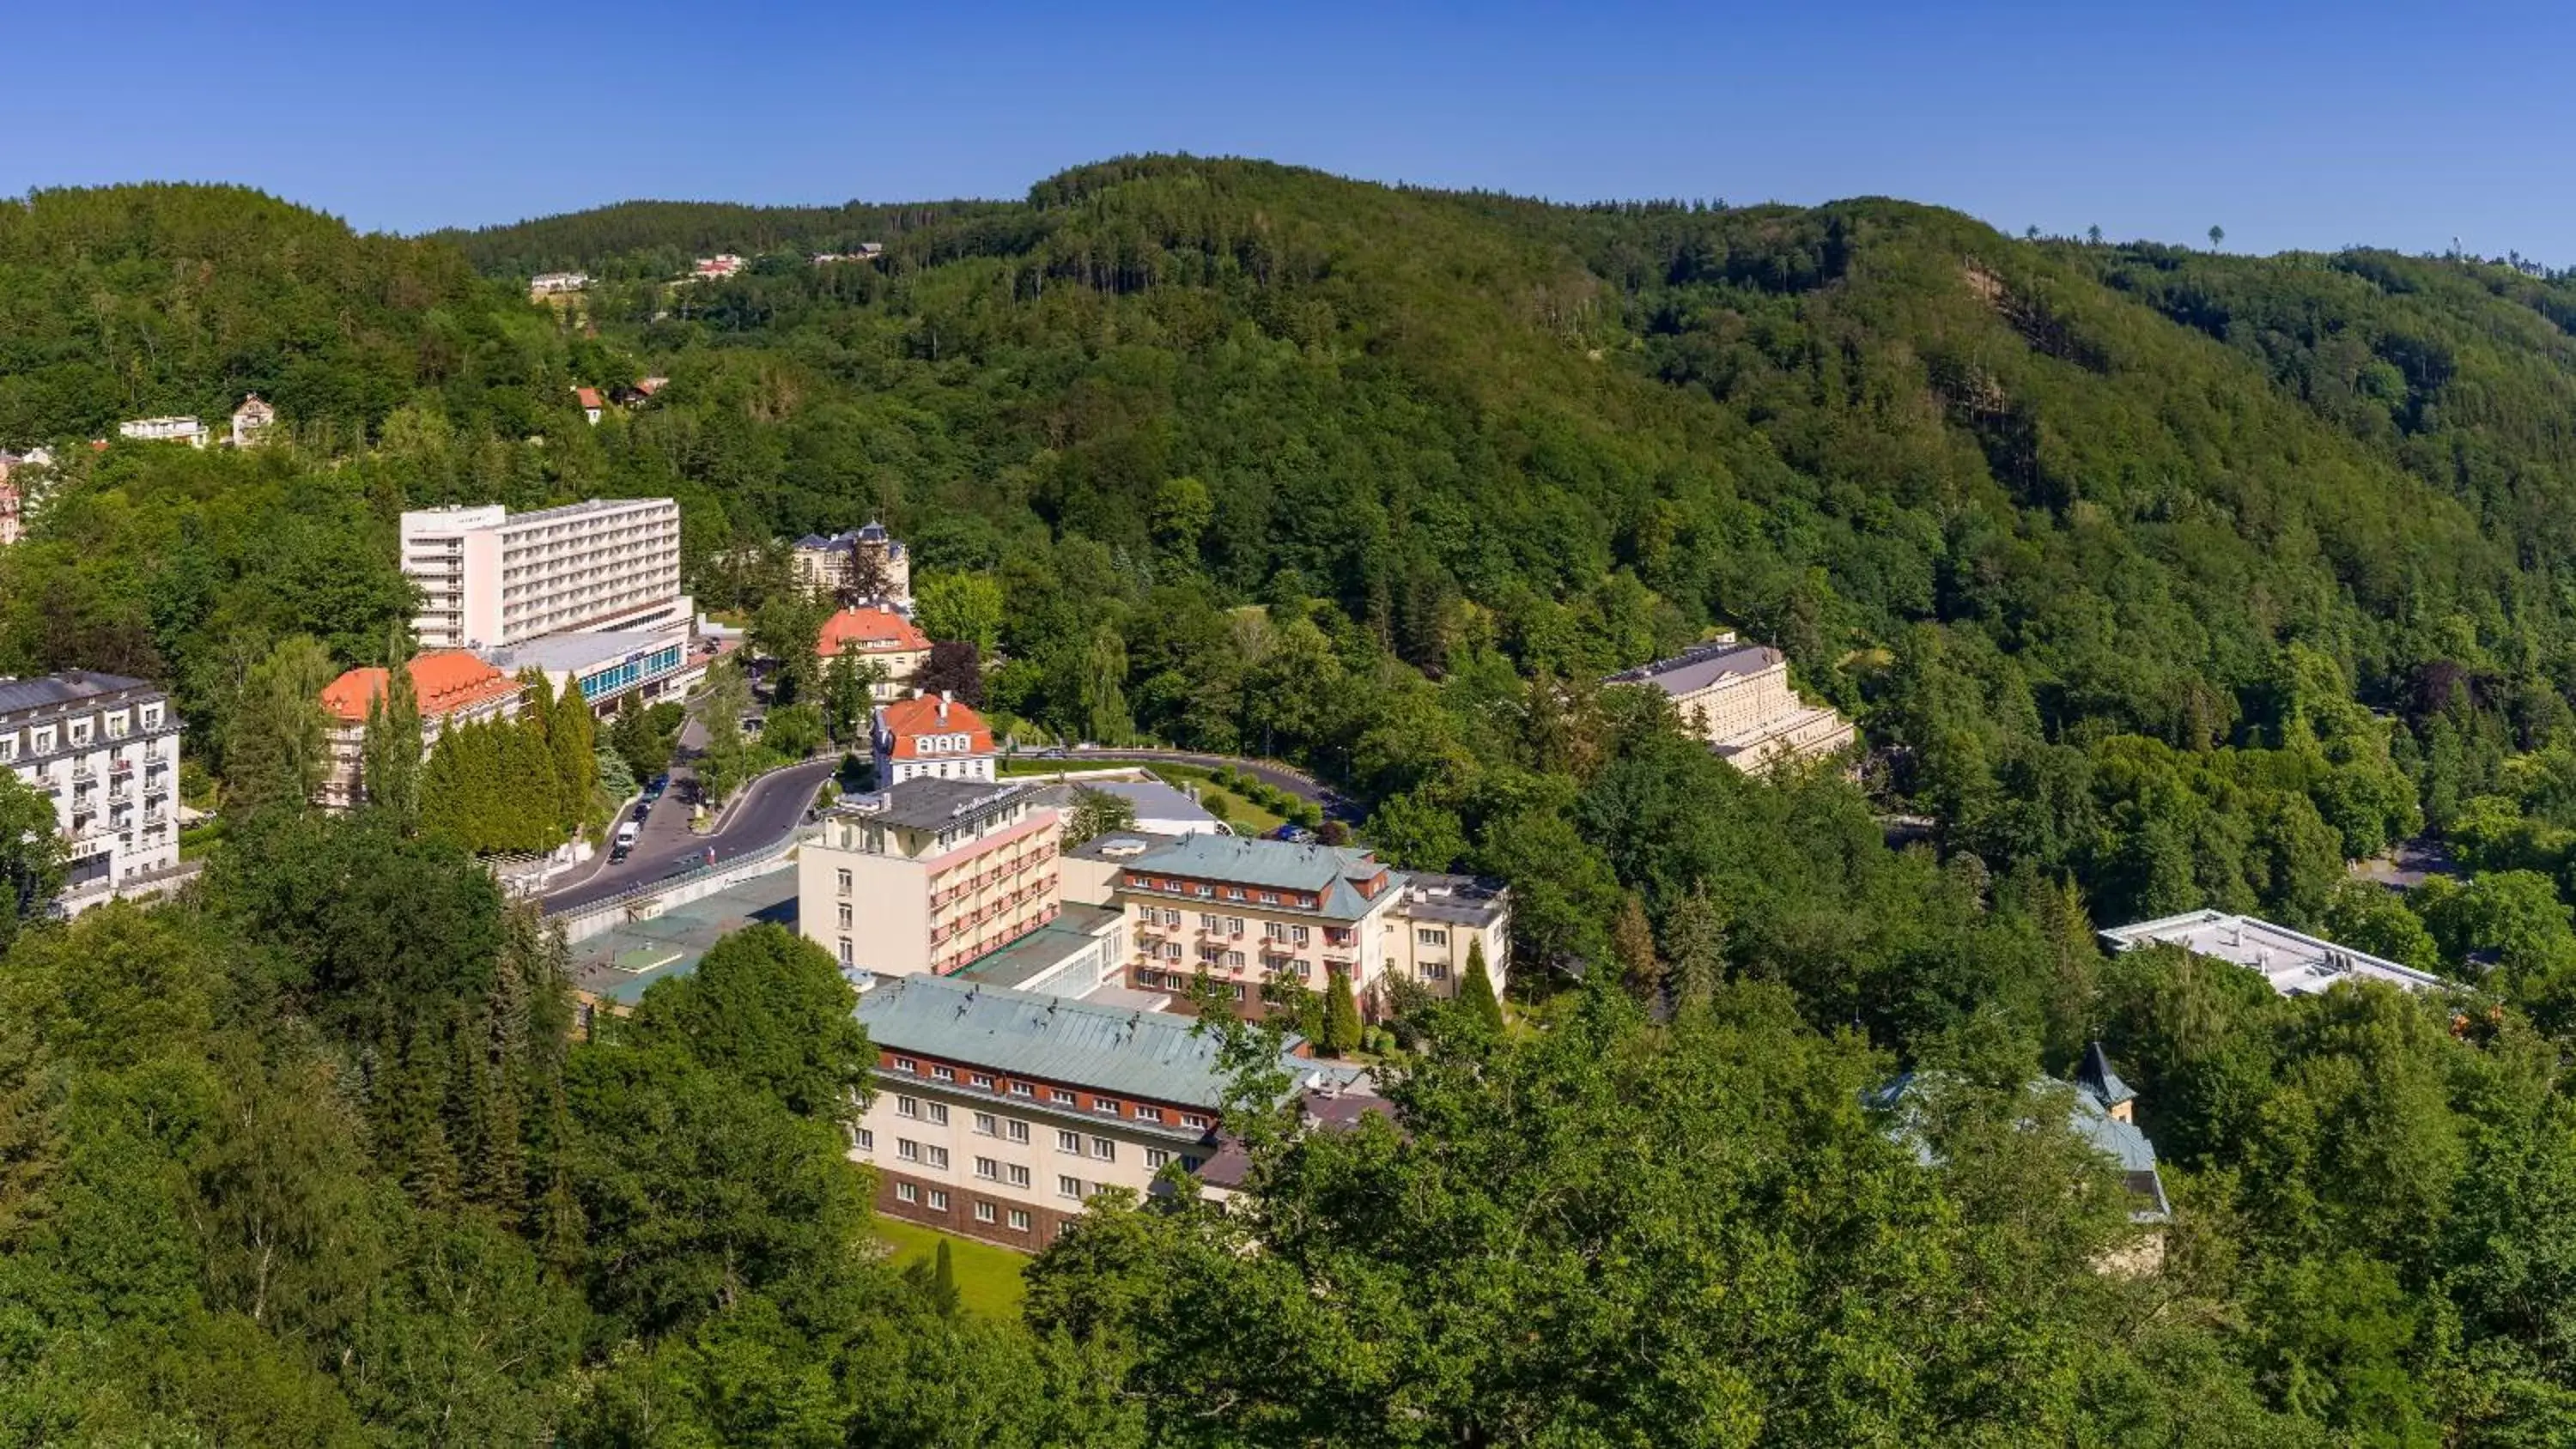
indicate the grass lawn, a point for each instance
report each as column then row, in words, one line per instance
column 988, row 1278
column 1246, row 817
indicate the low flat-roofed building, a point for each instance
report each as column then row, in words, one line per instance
column 186, row 430
column 549, row 284
column 2295, row 963
column 650, row 664
column 1082, row 950
column 1160, row 809
column 1737, row 697
column 1438, row 919
column 998, row 1112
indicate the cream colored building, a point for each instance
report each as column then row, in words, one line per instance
column 829, row 566
column 1737, row 697
column 928, row 876
column 251, row 420
column 453, row 688
column 1244, row 912
column 166, row 430
column 105, row 750
column 490, row 578
column 880, row 637
column 998, row 1112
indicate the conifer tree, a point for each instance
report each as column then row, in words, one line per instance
column 572, row 741
column 1633, row 940
column 1476, row 992
column 1696, row 935
column 1341, row 1017
column 943, row 1283
column 389, row 756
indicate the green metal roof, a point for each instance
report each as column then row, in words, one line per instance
column 1323, row 871
column 1154, row 1055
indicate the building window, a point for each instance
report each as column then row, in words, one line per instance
column 863, row 1139
column 907, row 1150
column 1104, row 1149
column 1430, row 936
column 1019, row 1130
column 906, row 1192
column 1059, row 1096
column 845, row 882
column 1234, row 925
column 1105, row 1106
column 937, row 1113
column 1208, row 924
column 936, row 1157
column 1297, row 934
column 907, row 1106
column 1148, row 1114
column 845, row 915
column 1019, row 1220
column 938, row 1200
column 906, row 1064
column 1156, row 1158
column 1019, row 1175
column 1195, row 1121
column 984, row 1124
column 1069, row 1187
column 988, row 1169
column 943, row 1074
column 1238, row 993
column 1069, row 1142
column 1436, row 971
column 845, row 951
column 1023, row 1089
column 983, row 1211
column 979, row 1079
column 1234, row 959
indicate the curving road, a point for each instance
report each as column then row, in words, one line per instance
column 768, row 809
column 1277, row 776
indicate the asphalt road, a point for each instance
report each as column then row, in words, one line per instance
column 770, row 808
column 1279, row 777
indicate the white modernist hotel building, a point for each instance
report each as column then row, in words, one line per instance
column 588, row 593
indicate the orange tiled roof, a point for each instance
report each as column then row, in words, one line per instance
column 447, row 680
column 909, row 719
column 587, row 396
column 869, row 631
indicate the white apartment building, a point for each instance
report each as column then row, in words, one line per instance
column 186, row 430
column 489, row 578
column 105, row 750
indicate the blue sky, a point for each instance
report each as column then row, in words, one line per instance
column 2305, row 126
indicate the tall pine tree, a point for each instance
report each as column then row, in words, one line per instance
column 389, row 757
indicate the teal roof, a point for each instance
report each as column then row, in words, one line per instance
column 1076, row 928
column 2086, row 1116
column 1323, row 871
column 1150, row 1054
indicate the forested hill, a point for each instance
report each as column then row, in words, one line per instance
column 136, row 301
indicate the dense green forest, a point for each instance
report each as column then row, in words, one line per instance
column 2155, row 579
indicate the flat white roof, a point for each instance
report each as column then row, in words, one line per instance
column 2295, row 963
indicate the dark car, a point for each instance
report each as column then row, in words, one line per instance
column 616, row 853
column 1294, row 835
column 643, row 808
column 653, row 788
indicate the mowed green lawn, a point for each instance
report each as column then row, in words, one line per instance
column 988, row 1278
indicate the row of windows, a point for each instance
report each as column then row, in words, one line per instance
column 985, row 1212
column 905, row 1106
column 1205, row 891
column 1151, row 980
column 41, row 738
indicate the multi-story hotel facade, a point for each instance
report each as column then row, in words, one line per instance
column 489, row 578
column 927, row 876
column 998, row 1113
column 105, row 750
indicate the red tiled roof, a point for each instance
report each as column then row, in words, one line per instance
column 869, row 631
column 909, row 719
column 588, row 397
column 447, row 680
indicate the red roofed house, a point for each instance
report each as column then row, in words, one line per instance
column 879, row 636
column 591, row 406
column 931, row 736
column 454, row 687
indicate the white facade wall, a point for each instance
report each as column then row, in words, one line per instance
column 111, row 769
column 489, row 579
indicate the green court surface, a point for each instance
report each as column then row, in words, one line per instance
column 988, row 1278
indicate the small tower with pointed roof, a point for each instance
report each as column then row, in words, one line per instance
column 2096, row 1077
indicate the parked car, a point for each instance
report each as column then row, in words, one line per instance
column 1294, row 835
column 654, row 787
column 642, row 809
